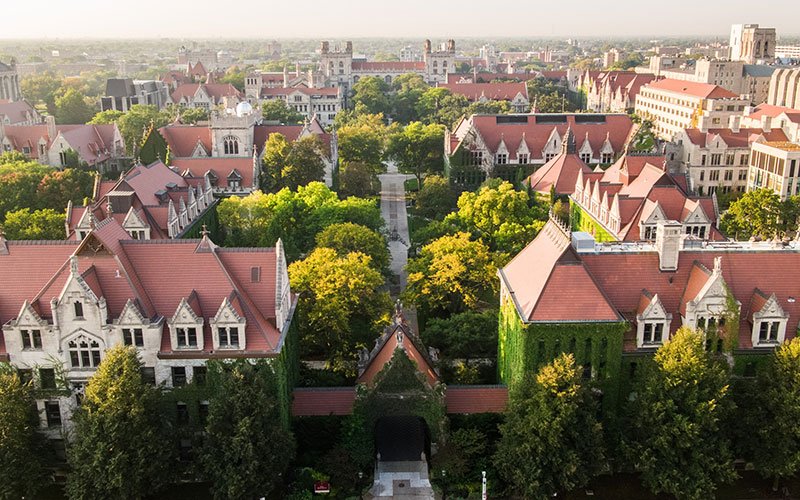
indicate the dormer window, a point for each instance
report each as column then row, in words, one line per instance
column 187, row 337
column 228, row 337
column 769, row 320
column 78, row 307
column 31, row 339
column 768, row 332
column 501, row 158
column 523, row 158
column 133, row 336
column 652, row 323
column 653, row 333
column 586, row 157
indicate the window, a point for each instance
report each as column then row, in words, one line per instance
column 653, row 333
column 768, row 332
column 84, row 353
column 477, row 157
column 729, row 159
column 549, row 156
column 78, row 306
column 716, row 159
column 133, row 336
column 62, row 156
column 729, row 175
column 649, row 232
column 47, row 378
column 182, row 413
column 606, row 158
column 703, row 160
column 742, row 175
column 501, row 158
column 178, row 376
column 202, row 411
column 586, row 157
column 702, row 175
column 187, row 337
column 31, row 339
column 199, row 375
column 52, row 411
column 523, row 158
column 230, row 145
column 713, row 175
column 228, row 336
column 148, row 375
column 744, row 160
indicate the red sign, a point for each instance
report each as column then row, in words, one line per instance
column 322, row 487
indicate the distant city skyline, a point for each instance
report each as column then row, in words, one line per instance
column 408, row 18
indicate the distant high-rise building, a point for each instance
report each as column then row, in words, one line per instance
column 610, row 58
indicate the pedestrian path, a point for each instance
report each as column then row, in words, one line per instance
column 393, row 210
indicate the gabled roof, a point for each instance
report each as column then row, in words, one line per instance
column 549, row 283
column 214, row 90
column 505, row 91
column 16, row 112
column 741, row 139
column 561, row 172
column 221, row 167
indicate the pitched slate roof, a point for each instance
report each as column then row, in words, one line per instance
column 15, row 112
column 390, row 66
column 561, row 172
column 695, row 89
column 506, row 91
column 221, row 167
column 741, row 139
column 93, row 143
column 214, row 90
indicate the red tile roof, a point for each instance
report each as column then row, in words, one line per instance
column 222, row 167
column 561, row 172
column 157, row 275
column 620, row 276
column 538, row 128
column 281, row 91
column 695, row 89
column 214, row 90
column 183, row 139
column 466, row 399
column 323, row 401
column 741, row 139
column 16, row 112
column 505, row 91
column 93, row 143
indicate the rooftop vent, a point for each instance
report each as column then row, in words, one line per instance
column 582, row 242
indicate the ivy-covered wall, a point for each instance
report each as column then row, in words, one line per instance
column 525, row 347
column 288, row 372
column 582, row 221
column 210, row 220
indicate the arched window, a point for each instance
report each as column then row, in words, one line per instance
column 231, row 145
column 84, row 353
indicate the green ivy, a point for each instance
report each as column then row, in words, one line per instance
column 582, row 221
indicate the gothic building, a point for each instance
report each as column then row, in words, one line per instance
column 9, row 82
column 180, row 303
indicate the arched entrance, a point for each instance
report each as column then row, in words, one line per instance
column 402, row 438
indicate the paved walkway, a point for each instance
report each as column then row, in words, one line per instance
column 393, row 210
column 401, row 480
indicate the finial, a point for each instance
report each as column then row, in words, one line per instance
column 204, row 232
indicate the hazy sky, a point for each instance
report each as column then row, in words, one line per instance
column 390, row 18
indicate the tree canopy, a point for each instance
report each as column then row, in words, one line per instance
column 755, row 213
column 418, row 149
column 22, row 471
column 72, row 107
column 436, row 198
column 291, row 164
column 120, row 449
column 370, row 96
column 363, row 140
column 341, row 307
column 673, row 433
column 451, row 274
column 551, row 440
column 246, row 447
column 347, row 237
column 277, row 110
column 24, row 224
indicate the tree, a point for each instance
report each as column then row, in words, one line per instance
column 246, row 447
column 19, row 181
column 24, row 224
column 489, row 108
column 42, row 88
column 363, row 140
column 500, row 216
column 347, row 237
column 106, row 117
column 22, row 471
column 61, row 186
column 190, row 116
column 418, row 149
column 777, row 412
column 458, row 457
column 408, row 89
column 452, row 274
column 277, row 110
column 370, row 96
column 436, row 198
column 551, row 441
column 756, row 213
column 357, row 179
column 135, row 123
column 72, row 107
column 673, row 435
column 467, row 335
column 439, row 105
column 304, row 163
column 120, row 446
column 235, row 76
column 276, row 151
column 340, row 305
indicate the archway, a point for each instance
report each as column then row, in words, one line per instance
column 402, row 438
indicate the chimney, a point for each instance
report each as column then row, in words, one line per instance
column 766, row 123
column 285, row 77
column 734, row 122
column 702, row 124
column 310, row 82
column 50, row 121
column 668, row 244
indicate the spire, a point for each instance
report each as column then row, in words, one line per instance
column 568, row 142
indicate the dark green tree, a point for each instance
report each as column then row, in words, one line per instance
column 673, row 435
column 247, row 447
column 357, row 179
column 551, row 440
column 120, row 447
column 42, row 88
column 363, row 140
column 277, row 110
column 303, row 163
column 436, row 198
column 72, row 107
column 61, row 186
column 756, row 213
column 777, row 409
column 408, row 89
column 418, row 149
column 371, row 96
column 22, row 469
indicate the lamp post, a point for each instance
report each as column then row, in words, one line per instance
column 444, row 484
